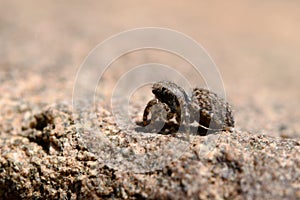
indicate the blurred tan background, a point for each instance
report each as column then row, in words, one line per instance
column 255, row 45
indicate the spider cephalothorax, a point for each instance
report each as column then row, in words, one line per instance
column 172, row 99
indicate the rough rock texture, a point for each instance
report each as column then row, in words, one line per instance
column 45, row 154
column 49, row 160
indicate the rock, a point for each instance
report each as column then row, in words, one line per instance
column 241, row 166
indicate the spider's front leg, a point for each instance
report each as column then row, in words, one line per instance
column 148, row 110
column 160, row 112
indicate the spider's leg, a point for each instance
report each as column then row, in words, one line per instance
column 147, row 111
column 170, row 115
column 178, row 116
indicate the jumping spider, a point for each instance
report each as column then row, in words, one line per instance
column 174, row 107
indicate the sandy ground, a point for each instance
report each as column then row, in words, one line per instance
column 254, row 44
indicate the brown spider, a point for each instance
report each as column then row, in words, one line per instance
column 173, row 106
